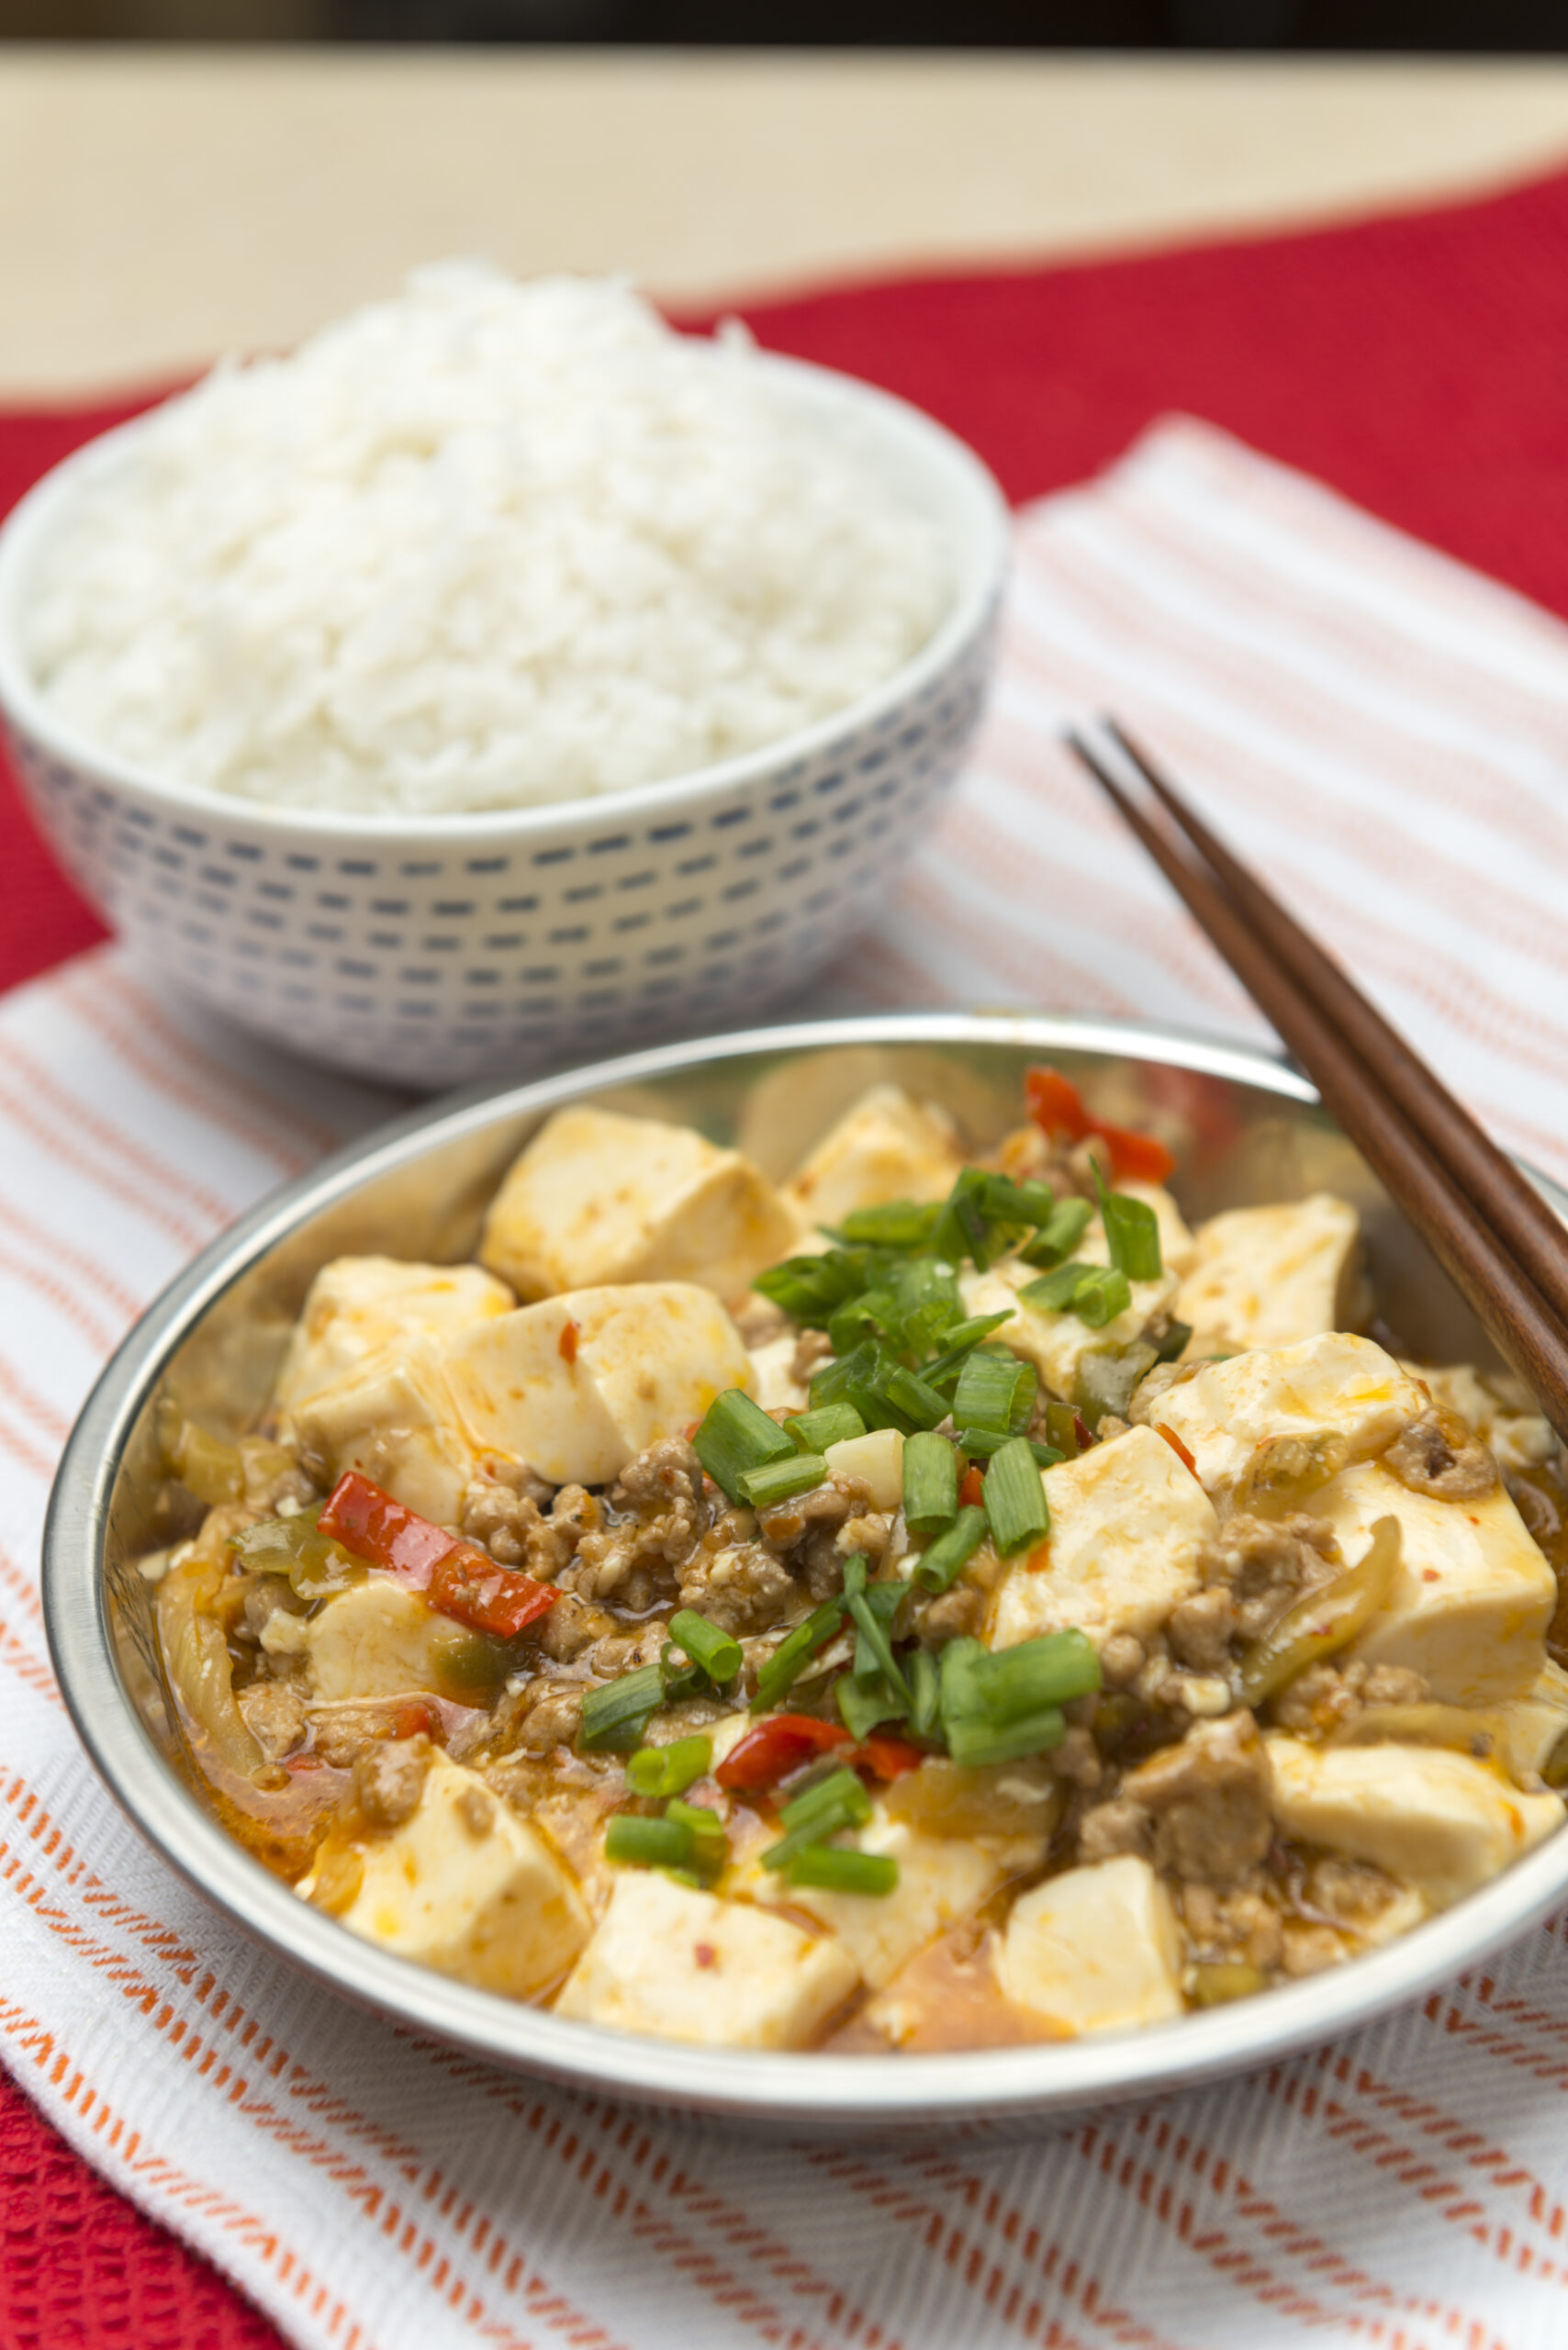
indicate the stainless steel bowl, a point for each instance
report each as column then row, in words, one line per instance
column 1254, row 1131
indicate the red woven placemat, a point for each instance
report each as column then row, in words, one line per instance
column 1415, row 364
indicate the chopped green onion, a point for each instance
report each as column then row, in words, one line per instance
column 784, row 1667
column 897, row 1223
column 1060, row 1235
column 717, row 1653
column 959, row 1342
column 873, row 1612
column 864, row 1699
column 930, row 1483
column 838, row 1801
column 941, row 1563
column 962, row 1228
column 924, row 1689
column 834, row 1424
column 1013, row 1691
column 648, row 1843
column 681, row 1678
column 615, row 1715
column 1096, row 1293
column 995, row 1391
column 1132, row 1236
column 668, row 1770
column 1172, row 1343
column 976, row 1744
column 781, row 1481
column 809, row 1289
column 909, row 1394
column 1027, row 1203
column 1015, row 1505
column 710, row 1846
column 836, row 1868
column 1103, row 1294
column 736, row 1435
column 980, row 1443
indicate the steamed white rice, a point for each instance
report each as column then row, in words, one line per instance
column 484, row 545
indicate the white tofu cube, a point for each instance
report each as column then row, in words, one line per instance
column 597, row 1197
column 941, row 1880
column 395, row 1419
column 1471, row 1597
column 1337, row 1384
column 874, row 1460
column 1529, row 1728
column 378, row 1639
column 886, row 1147
column 358, row 1305
column 1093, row 1950
column 1431, row 1819
column 466, row 1887
column 1272, row 1276
column 1058, row 1344
column 678, row 1964
column 1127, row 1522
column 578, row 1384
column 773, row 1382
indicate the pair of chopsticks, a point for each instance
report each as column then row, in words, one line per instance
column 1487, row 1227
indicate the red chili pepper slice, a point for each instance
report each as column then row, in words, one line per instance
column 779, row 1745
column 367, row 1521
column 459, row 1579
column 1177, row 1446
column 468, row 1587
column 888, row 1755
column 971, row 1493
column 1057, row 1107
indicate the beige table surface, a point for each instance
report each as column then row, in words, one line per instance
column 159, row 205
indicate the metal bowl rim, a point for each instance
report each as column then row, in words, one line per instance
column 805, row 2090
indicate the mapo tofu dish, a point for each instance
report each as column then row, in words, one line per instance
column 940, row 1602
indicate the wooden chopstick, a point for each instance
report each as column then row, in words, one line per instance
column 1508, row 1300
column 1516, row 1213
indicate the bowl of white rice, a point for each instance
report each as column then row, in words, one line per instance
column 501, row 676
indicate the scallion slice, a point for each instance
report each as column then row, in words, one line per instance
column 1054, row 1292
column 735, row 1435
column 717, row 1653
column 995, row 1391
column 908, row 1393
column 777, row 1676
column 975, row 1743
column 615, row 1715
column 781, row 1481
column 708, row 1844
column 1101, row 1295
column 897, row 1223
column 1060, row 1233
column 668, row 1770
column 838, row 1801
column 834, row 1424
column 980, row 1443
column 1132, row 1236
column 930, row 1483
column 958, row 1341
column 873, row 1612
column 941, row 1563
column 1015, row 1505
column 925, row 1690
column 811, row 1289
column 1013, row 1694
column 838, row 1868
column 643, row 1844
column 864, row 1699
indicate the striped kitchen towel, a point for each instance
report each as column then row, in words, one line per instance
column 1386, row 734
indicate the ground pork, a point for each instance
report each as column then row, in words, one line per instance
column 742, row 1588
column 1438, row 1455
column 1325, row 1696
column 390, row 1779
column 1241, row 1928
column 645, row 1551
column 1208, row 1801
column 1250, row 1575
column 813, row 1348
column 812, row 1527
column 275, row 1716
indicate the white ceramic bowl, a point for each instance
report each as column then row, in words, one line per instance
column 431, row 949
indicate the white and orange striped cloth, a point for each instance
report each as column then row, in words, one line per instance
column 1387, row 735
